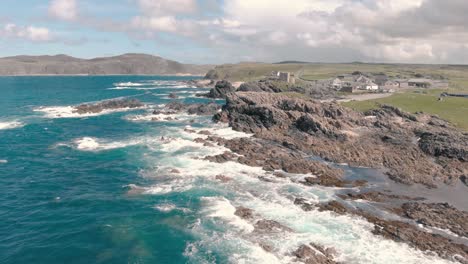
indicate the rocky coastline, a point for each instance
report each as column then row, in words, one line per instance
column 304, row 136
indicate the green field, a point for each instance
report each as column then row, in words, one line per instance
column 452, row 109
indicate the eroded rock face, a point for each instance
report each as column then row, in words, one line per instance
column 107, row 105
column 382, row 138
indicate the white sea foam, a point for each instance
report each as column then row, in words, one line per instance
column 220, row 207
column 10, row 125
column 128, row 84
column 95, row 144
column 3, row 161
column 133, row 88
column 351, row 236
column 166, row 207
column 169, row 207
column 220, row 130
column 70, row 111
column 161, row 117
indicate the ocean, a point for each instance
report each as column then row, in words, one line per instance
column 130, row 186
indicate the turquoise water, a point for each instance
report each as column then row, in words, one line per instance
column 108, row 188
column 60, row 204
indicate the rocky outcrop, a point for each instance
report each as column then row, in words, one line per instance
column 261, row 86
column 440, row 215
column 107, row 105
column 314, row 254
column 375, row 139
column 407, row 233
column 192, row 109
column 272, row 157
column 444, row 144
column 221, row 90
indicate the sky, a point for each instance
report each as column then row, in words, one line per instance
column 230, row 31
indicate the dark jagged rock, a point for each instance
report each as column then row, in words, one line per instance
column 193, row 109
column 314, row 254
column 270, row 226
column 223, row 178
column 262, row 86
column 440, row 215
column 107, row 105
column 376, row 196
column 203, row 109
column 333, row 206
column 221, row 90
column 273, row 157
column 375, row 139
column 408, row 233
column 173, row 96
column 244, row 213
column 445, row 144
column 222, row 158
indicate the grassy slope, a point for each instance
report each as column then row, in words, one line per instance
column 452, row 109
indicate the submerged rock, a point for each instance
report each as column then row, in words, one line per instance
column 173, row 96
column 244, row 213
column 270, row 226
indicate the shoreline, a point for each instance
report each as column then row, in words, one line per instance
column 287, row 130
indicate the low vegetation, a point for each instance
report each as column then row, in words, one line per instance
column 452, row 109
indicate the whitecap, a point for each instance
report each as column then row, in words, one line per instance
column 96, row 144
column 161, row 117
column 10, row 125
column 351, row 236
column 3, row 161
column 220, row 207
column 70, row 111
column 166, row 207
column 128, row 84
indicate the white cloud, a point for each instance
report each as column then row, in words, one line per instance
column 314, row 30
column 63, row 9
column 165, row 23
column 167, row 7
column 37, row 34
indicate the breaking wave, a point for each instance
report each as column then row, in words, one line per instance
column 222, row 233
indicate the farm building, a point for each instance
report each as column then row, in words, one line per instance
column 420, row 83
